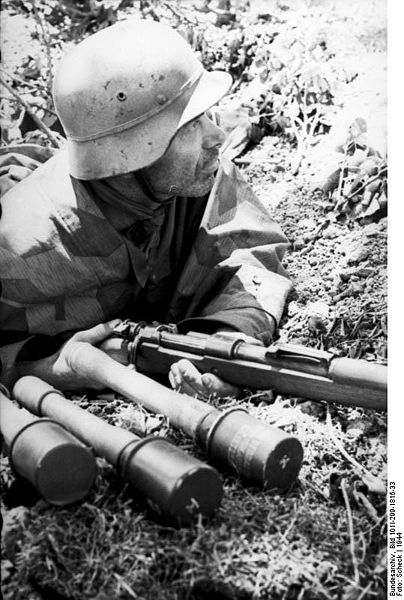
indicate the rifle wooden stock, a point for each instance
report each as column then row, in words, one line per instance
column 266, row 455
column 175, row 484
column 60, row 467
column 286, row 368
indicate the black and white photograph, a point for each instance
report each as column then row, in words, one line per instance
column 196, row 293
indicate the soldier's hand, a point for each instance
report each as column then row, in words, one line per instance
column 56, row 369
column 116, row 348
column 184, row 376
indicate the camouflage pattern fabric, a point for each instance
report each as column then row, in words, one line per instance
column 68, row 261
column 17, row 162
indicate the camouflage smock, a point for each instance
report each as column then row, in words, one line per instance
column 202, row 263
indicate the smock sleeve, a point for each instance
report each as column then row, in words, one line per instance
column 234, row 277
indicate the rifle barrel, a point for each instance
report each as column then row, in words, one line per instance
column 292, row 357
column 287, row 368
column 155, row 360
column 348, row 371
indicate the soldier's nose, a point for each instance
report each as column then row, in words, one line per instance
column 213, row 134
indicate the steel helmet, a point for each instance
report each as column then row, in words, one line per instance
column 122, row 94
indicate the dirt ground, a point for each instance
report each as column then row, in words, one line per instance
column 306, row 123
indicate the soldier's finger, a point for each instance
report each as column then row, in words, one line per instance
column 96, row 334
column 190, row 378
column 172, row 380
column 177, row 381
column 174, row 376
column 217, row 386
column 190, row 390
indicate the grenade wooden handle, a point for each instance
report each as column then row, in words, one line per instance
column 266, row 455
column 174, row 483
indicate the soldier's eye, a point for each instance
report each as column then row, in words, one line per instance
column 191, row 125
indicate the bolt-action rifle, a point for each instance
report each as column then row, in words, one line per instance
column 286, row 368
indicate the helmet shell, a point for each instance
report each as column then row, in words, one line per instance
column 122, row 94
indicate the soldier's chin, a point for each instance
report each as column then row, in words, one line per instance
column 202, row 186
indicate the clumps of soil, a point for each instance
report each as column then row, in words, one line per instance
column 326, row 537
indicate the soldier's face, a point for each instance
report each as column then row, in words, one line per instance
column 189, row 164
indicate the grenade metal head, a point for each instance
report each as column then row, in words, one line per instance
column 60, row 467
column 263, row 454
column 176, row 484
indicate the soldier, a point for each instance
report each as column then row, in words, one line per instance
column 137, row 217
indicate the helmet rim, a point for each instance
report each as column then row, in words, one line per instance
column 142, row 144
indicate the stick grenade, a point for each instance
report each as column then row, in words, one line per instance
column 266, row 455
column 174, row 483
column 61, row 468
